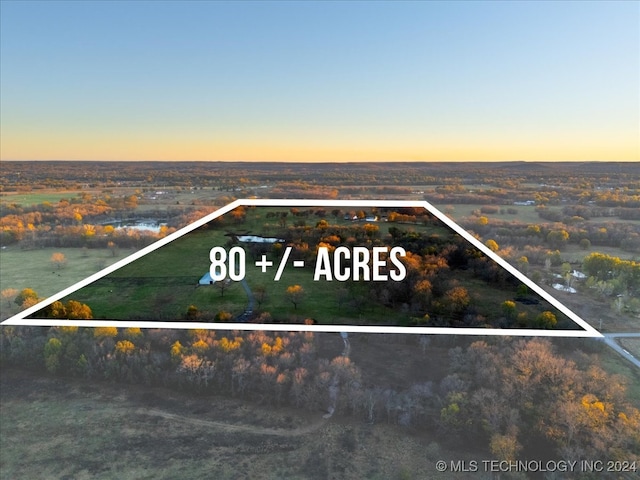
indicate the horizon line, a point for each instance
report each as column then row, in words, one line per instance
column 321, row 161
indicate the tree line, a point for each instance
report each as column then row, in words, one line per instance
column 512, row 396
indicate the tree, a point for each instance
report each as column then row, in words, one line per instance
column 52, row 351
column 295, row 294
column 223, row 316
column 260, row 294
column 504, row 447
column 113, row 247
column 56, row 310
column 192, row 312
column 523, row 264
column 78, row 311
column 457, row 299
column 509, row 309
column 557, row 238
column 105, row 332
column 585, row 244
column 9, row 294
column 423, row 292
column 546, row 319
column 25, row 295
column 124, row 347
column 222, row 285
column 492, row 245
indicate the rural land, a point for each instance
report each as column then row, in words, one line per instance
column 106, row 402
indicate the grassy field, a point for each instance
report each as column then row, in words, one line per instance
column 63, row 428
column 573, row 253
column 164, row 284
column 33, row 269
column 526, row 214
column 35, row 198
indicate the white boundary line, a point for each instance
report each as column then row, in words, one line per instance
column 19, row 319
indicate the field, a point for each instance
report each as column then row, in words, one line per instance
column 33, row 198
column 167, row 425
column 81, row 430
column 33, row 269
column 76, row 429
column 163, row 284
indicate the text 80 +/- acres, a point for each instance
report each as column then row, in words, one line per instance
column 358, row 264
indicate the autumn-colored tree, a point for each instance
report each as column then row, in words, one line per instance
column 125, row 347
column 26, row 295
column 113, row 247
column 546, row 319
column 132, row 333
column 199, row 346
column 105, row 332
column 504, row 447
column 192, row 312
column 492, row 245
column 223, row 316
column 457, row 299
column 52, row 350
column 423, row 291
column 523, row 264
column 295, row 294
column 56, row 310
column 509, row 309
column 78, row 311
column 370, row 229
column 176, row 350
column 557, row 238
column 8, row 294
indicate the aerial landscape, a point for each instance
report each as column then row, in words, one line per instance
column 577, row 236
column 319, row 240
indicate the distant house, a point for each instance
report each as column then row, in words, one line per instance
column 564, row 288
column 526, row 203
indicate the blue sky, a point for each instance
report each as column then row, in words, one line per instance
column 332, row 81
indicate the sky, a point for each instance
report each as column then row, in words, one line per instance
column 320, row 81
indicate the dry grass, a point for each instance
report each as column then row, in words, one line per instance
column 56, row 428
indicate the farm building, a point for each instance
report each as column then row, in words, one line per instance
column 206, row 279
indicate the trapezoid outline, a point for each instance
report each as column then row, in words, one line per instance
column 587, row 332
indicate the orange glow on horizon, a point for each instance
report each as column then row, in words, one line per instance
column 182, row 148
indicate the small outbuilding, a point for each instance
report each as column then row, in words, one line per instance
column 206, row 279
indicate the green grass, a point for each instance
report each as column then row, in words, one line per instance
column 33, row 269
column 36, row 198
column 162, row 284
column 573, row 253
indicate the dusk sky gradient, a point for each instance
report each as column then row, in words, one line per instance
column 325, row 81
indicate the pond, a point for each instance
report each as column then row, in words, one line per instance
column 141, row 226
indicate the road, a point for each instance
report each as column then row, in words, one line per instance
column 246, row 315
column 610, row 340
